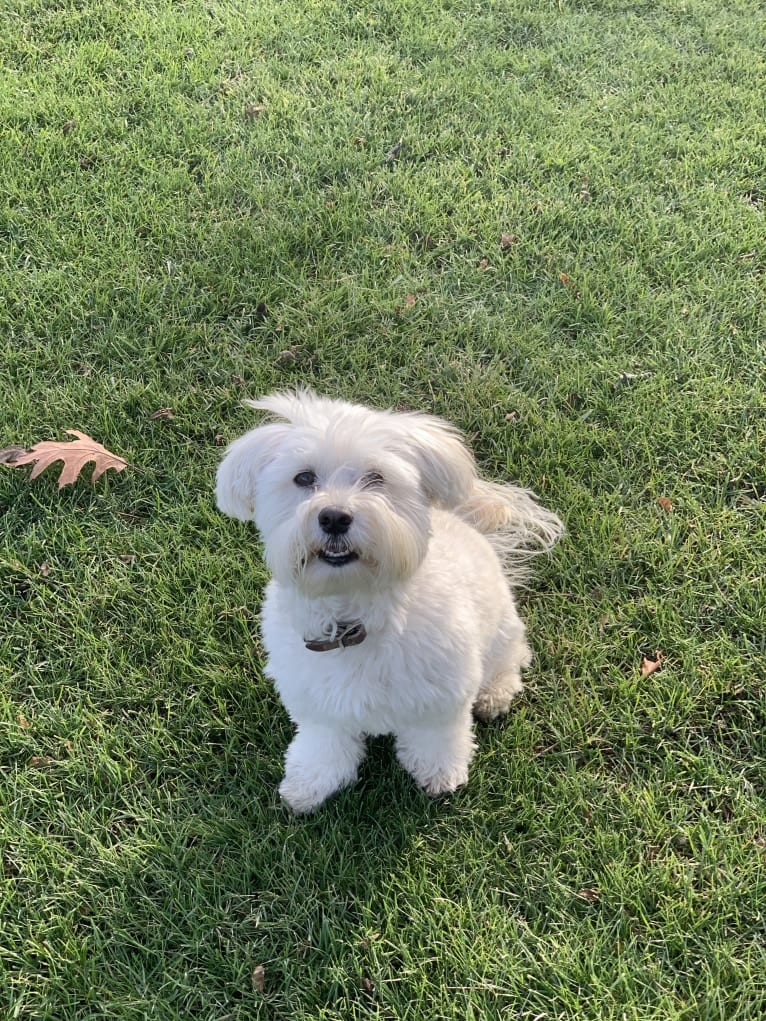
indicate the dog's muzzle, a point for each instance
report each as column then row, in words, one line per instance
column 337, row 558
column 334, row 520
column 337, row 551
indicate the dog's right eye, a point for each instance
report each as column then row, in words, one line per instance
column 305, row 479
column 372, row 480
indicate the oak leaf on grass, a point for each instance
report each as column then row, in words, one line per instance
column 259, row 978
column 650, row 665
column 75, row 455
column 592, row 896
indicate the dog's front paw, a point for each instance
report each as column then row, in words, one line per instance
column 301, row 798
column 318, row 763
column 446, row 782
column 438, row 757
column 495, row 700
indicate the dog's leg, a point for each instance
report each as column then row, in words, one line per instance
column 496, row 699
column 437, row 755
column 318, row 763
column 503, row 676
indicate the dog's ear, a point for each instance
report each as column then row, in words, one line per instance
column 447, row 468
column 245, row 459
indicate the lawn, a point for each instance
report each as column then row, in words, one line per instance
column 543, row 220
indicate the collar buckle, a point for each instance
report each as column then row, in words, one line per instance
column 345, row 634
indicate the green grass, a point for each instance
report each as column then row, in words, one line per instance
column 165, row 244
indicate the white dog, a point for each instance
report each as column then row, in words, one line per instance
column 390, row 608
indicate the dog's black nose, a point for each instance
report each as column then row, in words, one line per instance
column 334, row 521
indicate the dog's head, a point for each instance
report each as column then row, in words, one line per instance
column 341, row 493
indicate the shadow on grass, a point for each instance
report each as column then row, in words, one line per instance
column 178, row 883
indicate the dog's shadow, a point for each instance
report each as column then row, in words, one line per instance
column 227, row 880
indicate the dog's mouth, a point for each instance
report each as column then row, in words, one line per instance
column 337, row 558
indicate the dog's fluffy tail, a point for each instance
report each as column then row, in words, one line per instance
column 514, row 522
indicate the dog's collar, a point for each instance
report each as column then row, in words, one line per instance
column 343, row 634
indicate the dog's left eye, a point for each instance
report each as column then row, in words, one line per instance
column 372, row 480
column 305, row 479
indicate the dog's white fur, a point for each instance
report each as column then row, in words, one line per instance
column 436, row 550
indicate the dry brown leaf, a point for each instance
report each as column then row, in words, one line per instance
column 666, row 505
column 592, row 896
column 75, row 455
column 648, row 666
column 259, row 977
